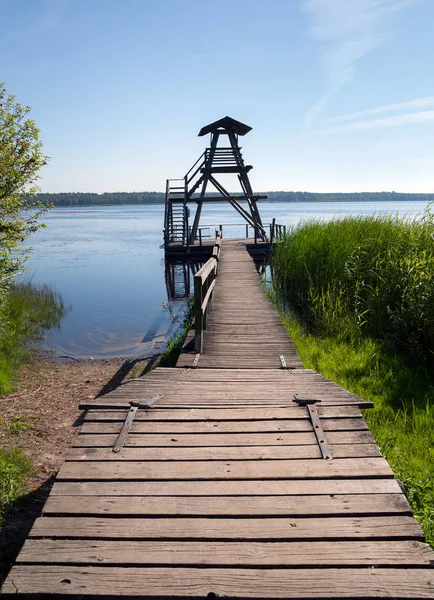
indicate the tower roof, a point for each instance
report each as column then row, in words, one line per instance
column 224, row 125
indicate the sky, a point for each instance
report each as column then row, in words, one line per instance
column 339, row 93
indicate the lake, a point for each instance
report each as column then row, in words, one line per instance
column 108, row 265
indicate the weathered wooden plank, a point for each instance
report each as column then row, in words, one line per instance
column 166, row 582
column 122, row 402
column 234, row 439
column 177, row 402
column 261, row 350
column 217, row 427
column 289, row 387
column 222, row 453
column 261, row 347
column 173, row 373
column 201, row 528
column 286, row 393
column 218, row 414
column 277, row 398
column 209, row 362
column 293, row 487
column 289, row 554
column 221, row 469
column 317, row 505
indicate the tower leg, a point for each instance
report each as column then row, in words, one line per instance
column 247, row 188
column 207, row 166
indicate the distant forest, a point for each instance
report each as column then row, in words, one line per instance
column 117, row 198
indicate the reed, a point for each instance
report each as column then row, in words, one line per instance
column 27, row 311
column 371, row 276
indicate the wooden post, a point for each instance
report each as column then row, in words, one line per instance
column 247, row 230
column 273, row 226
column 200, row 237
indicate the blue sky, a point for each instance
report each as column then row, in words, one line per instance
column 340, row 93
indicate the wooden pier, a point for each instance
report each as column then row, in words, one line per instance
column 244, row 476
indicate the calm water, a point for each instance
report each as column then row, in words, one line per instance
column 108, row 265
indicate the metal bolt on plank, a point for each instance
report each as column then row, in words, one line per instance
column 134, row 407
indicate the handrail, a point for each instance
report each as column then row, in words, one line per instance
column 186, row 177
column 166, row 215
column 276, row 231
column 204, row 283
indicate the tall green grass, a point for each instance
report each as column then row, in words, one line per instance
column 357, row 298
column 26, row 312
column 14, row 468
column 371, row 276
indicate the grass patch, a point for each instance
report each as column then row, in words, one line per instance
column 15, row 466
column 26, row 313
column 357, row 297
column 16, row 425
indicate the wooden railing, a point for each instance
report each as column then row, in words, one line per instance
column 204, row 283
column 277, row 231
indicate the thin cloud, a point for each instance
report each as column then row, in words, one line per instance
column 349, row 30
column 410, row 118
column 410, row 105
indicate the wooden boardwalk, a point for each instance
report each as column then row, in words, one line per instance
column 244, row 330
column 221, row 487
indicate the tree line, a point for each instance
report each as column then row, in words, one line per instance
column 119, row 198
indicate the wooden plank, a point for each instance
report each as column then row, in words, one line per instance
column 217, row 427
column 222, row 453
column 246, row 361
column 201, row 528
column 168, row 582
column 220, row 469
column 173, row 400
column 316, row 505
column 240, row 583
column 108, row 552
column 277, row 396
column 176, row 402
column 234, row 439
column 293, row 487
column 218, row 414
column 173, row 373
column 290, row 385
